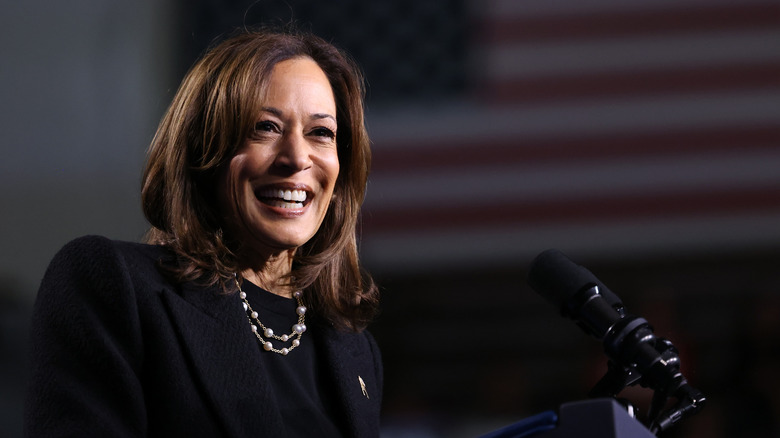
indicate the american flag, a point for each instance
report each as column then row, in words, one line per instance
column 608, row 128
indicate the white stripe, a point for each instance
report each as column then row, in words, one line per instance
column 467, row 124
column 637, row 54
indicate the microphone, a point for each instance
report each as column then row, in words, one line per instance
column 576, row 292
column 636, row 354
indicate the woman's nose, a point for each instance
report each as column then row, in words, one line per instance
column 293, row 153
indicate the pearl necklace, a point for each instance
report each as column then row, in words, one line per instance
column 263, row 333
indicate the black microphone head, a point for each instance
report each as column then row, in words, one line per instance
column 557, row 278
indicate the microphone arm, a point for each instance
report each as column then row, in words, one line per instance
column 636, row 355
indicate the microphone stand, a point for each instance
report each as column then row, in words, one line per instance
column 660, row 372
column 636, row 355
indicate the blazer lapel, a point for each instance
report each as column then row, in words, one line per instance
column 352, row 367
column 215, row 333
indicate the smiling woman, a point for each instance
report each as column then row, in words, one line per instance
column 291, row 153
column 245, row 310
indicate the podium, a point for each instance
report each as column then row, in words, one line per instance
column 597, row 418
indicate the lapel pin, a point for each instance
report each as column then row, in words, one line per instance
column 363, row 386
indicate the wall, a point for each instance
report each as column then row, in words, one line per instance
column 82, row 86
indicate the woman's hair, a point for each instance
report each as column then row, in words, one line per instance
column 210, row 117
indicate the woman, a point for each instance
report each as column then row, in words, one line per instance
column 243, row 315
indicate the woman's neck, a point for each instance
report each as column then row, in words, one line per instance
column 272, row 273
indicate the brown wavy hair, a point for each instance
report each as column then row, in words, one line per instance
column 212, row 113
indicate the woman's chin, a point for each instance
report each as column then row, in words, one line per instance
column 271, row 240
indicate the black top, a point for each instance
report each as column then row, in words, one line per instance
column 301, row 389
column 119, row 350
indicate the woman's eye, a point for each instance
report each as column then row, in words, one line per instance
column 324, row 132
column 266, row 126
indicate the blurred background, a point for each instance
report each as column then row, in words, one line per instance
column 641, row 138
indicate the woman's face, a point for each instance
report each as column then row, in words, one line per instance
column 276, row 190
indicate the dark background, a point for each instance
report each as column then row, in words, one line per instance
column 641, row 139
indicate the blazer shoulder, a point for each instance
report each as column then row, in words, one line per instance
column 94, row 244
column 98, row 249
column 95, row 257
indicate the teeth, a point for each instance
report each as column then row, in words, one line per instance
column 287, row 195
column 284, row 204
column 292, row 195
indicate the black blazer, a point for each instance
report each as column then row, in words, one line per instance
column 119, row 351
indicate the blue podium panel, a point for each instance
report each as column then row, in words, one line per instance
column 597, row 418
column 527, row 428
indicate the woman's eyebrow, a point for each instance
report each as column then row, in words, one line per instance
column 272, row 110
column 318, row 116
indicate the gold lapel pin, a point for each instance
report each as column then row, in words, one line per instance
column 363, row 386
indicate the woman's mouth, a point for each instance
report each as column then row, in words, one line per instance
column 282, row 198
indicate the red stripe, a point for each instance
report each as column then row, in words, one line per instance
column 621, row 24
column 573, row 211
column 646, row 82
column 437, row 154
